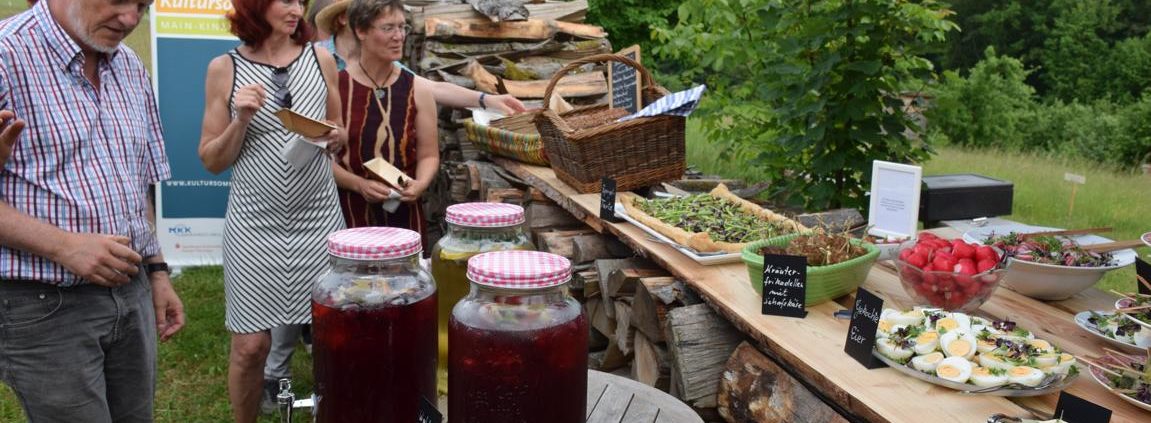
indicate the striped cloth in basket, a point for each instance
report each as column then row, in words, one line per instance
column 527, row 148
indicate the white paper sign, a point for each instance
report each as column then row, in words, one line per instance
column 1073, row 178
column 895, row 189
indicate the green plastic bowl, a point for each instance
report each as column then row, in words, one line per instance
column 824, row 283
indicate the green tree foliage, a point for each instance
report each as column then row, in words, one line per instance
column 1080, row 50
column 629, row 21
column 994, row 107
column 985, row 109
column 813, row 86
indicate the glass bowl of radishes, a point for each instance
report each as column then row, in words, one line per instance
column 949, row 274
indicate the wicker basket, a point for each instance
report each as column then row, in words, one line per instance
column 522, row 144
column 637, row 153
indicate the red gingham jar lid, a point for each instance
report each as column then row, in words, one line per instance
column 519, row 269
column 374, row 243
column 485, row 215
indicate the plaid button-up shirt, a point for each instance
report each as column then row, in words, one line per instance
column 88, row 154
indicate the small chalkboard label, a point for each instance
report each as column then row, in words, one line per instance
column 784, row 285
column 607, row 199
column 428, row 412
column 624, row 82
column 861, row 334
column 1073, row 409
column 1143, row 269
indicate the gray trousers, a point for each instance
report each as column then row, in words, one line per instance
column 79, row 354
column 284, row 340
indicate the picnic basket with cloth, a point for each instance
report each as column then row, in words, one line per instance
column 513, row 137
column 636, row 153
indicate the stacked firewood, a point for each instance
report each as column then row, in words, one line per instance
column 453, row 41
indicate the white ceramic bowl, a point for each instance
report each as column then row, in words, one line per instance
column 1049, row 281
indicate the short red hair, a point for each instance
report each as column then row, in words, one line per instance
column 247, row 23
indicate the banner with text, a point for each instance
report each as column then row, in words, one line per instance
column 186, row 35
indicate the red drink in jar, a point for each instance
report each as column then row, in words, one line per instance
column 518, row 344
column 374, row 320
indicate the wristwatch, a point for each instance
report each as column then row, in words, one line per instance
column 159, row 266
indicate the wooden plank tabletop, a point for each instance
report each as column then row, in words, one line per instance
column 616, row 399
column 813, row 347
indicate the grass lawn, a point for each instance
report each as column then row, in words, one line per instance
column 1110, row 198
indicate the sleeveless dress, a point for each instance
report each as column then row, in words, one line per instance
column 381, row 123
column 278, row 217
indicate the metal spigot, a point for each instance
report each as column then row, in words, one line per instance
column 286, row 398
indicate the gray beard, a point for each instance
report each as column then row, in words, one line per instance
column 77, row 22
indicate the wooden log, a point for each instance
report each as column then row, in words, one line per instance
column 570, row 11
column 755, row 389
column 594, row 247
column 649, row 307
column 588, row 280
column 611, row 358
column 485, row 29
column 624, row 332
column 598, row 317
column 546, row 216
column 623, row 281
column 596, row 341
column 700, row 342
column 607, row 266
column 650, row 366
column 481, row 177
column 560, row 242
column 507, row 196
column 572, row 85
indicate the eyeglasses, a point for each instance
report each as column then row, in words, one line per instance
column 282, row 95
column 390, row 29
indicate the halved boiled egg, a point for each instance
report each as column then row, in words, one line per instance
column 886, row 327
column 892, row 350
column 1040, row 346
column 1065, row 362
column 985, row 378
column 905, row 318
column 955, row 369
column 1046, row 360
column 986, row 344
column 926, row 342
column 994, row 361
column 1025, row 375
column 958, row 344
column 954, row 321
column 927, row 363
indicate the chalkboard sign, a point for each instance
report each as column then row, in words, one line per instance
column 624, row 82
column 607, row 200
column 1073, row 409
column 861, row 333
column 784, row 285
column 428, row 412
column 1143, row 269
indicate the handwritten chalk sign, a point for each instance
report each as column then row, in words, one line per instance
column 1143, row 270
column 607, row 200
column 861, row 334
column 428, row 412
column 624, row 82
column 784, row 285
column 1073, row 409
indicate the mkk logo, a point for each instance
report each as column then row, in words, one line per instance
column 180, row 230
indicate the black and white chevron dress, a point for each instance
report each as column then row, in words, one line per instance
column 278, row 217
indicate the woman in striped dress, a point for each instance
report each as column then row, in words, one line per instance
column 279, row 212
column 391, row 115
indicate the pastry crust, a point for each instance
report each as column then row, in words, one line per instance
column 701, row 241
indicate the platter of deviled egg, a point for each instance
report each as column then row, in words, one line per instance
column 971, row 354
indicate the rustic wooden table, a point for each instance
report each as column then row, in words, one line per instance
column 616, row 399
column 813, row 347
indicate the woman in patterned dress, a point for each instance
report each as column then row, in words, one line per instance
column 279, row 212
column 391, row 114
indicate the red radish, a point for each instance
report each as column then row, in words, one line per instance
column 985, row 252
column 917, row 260
column 904, row 254
column 963, row 250
column 965, row 266
column 984, row 265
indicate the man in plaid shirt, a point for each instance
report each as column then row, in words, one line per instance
column 84, row 291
